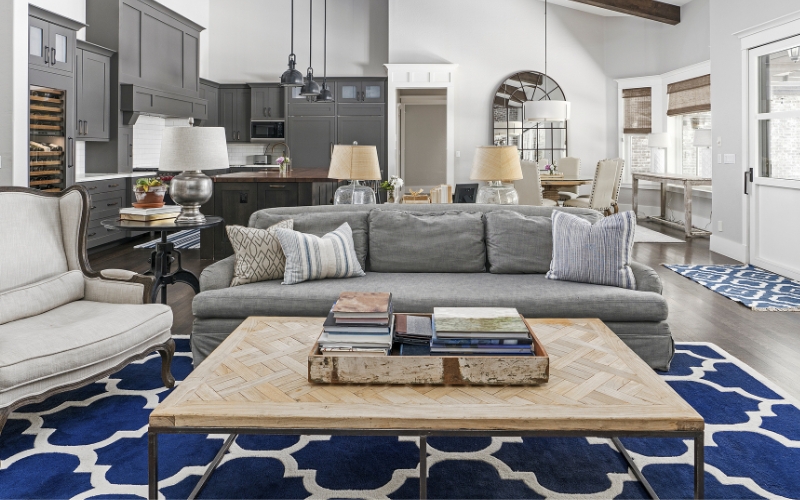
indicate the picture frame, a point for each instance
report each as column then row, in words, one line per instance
column 465, row 193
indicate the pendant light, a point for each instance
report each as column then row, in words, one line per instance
column 546, row 110
column 794, row 54
column 310, row 87
column 325, row 94
column 291, row 77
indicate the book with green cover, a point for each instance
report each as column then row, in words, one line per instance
column 478, row 319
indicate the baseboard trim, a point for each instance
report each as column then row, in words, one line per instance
column 728, row 248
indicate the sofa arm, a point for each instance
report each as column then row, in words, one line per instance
column 118, row 286
column 647, row 280
column 218, row 275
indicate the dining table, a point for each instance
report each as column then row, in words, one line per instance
column 551, row 186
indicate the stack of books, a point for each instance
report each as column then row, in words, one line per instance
column 360, row 323
column 166, row 212
column 476, row 331
column 410, row 329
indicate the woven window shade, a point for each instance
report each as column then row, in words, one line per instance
column 638, row 118
column 689, row 96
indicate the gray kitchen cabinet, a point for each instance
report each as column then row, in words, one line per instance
column 234, row 112
column 311, row 139
column 125, row 148
column 106, row 197
column 210, row 92
column 361, row 91
column 366, row 131
column 93, row 92
column 277, row 194
column 266, row 102
column 294, row 96
column 51, row 40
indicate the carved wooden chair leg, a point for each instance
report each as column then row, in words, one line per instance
column 4, row 413
column 167, row 351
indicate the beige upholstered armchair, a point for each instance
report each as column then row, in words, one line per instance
column 604, row 188
column 63, row 325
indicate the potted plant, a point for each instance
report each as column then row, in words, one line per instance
column 149, row 192
column 393, row 188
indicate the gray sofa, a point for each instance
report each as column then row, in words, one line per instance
column 439, row 255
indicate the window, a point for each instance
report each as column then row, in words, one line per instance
column 693, row 140
column 535, row 140
column 779, row 114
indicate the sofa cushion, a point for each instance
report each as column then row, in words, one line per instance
column 259, row 256
column 320, row 224
column 40, row 297
column 310, row 257
column 599, row 254
column 532, row 294
column 518, row 244
column 445, row 242
column 72, row 337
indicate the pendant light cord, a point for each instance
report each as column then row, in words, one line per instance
column 292, row 22
column 545, row 37
column 325, row 50
column 310, row 30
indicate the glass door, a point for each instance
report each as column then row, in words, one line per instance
column 772, row 178
column 48, row 139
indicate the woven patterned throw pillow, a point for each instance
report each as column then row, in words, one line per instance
column 598, row 254
column 259, row 256
column 310, row 257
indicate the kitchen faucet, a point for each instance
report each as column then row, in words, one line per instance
column 287, row 154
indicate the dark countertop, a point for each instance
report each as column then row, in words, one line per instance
column 294, row 175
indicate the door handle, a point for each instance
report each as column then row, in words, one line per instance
column 53, row 56
column 363, row 95
column 80, row 125
column 71, row 142
column 112, row 204
column 331, row 154
column 91, row 234
column 269, row 112
column 277, row 186
column 111, row 186
column 85, row 127
column 46, row 54
column 748, row 177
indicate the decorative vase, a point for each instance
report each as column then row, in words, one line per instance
column 390, row 196
column 397, row 194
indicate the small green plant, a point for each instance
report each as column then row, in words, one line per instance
column 145, row 183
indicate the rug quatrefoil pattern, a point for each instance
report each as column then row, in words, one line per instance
column 92, row 443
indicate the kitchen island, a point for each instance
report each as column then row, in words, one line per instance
column 237, row 195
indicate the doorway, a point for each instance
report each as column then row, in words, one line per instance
column 423, row 137
column 773, row 176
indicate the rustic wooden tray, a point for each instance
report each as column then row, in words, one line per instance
column 438, row 370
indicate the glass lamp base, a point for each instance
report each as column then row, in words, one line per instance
column 497, row 193
column 354, row 194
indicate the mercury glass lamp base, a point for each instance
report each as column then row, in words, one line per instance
column 190, row 190
column 354, row 194
column 497, row 193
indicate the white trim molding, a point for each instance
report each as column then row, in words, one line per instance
column 729, row 248
column 420, row 76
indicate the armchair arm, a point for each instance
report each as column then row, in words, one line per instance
column 118, row 286
column 647, row 279
column 218, row 275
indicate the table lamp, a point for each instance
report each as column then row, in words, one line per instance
column 499, row 166
column 190, row 150
column 354, row 163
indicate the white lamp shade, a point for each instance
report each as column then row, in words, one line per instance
column 702, row 138
column 193, row 148
column 547, row 111
column 658, row 140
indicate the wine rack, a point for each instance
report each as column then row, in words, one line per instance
column 48, row 141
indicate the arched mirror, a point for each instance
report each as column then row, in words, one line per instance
column 535, row 140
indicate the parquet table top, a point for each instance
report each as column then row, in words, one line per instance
column 257, row 378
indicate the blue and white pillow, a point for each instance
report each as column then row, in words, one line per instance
column 310, row 257
column 599, row 254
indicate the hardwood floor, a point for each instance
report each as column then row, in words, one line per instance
column 767, row 341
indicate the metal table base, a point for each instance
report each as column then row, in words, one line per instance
column 161, row 260
column 152, row 448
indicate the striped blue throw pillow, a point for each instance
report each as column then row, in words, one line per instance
column 598, row 254
column 310, row 257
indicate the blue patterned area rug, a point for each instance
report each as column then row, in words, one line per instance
column 183, row 240
column 92, row 443
column 755, row 288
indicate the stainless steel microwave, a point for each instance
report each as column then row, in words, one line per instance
column 267, row 130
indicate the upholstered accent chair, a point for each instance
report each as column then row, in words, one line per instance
column 63, row 325
column 529, row 188
column 617, row 186
column 603, row 188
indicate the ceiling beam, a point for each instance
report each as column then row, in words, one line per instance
column 648, row 9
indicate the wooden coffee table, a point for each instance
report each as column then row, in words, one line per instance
column 255, row 382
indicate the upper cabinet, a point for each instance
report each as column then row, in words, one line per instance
column 51, row 40
column 210, row 92
column 266, row 102
column 93, row 92
column 234, row 112
column 158, row 48
column 358, row 91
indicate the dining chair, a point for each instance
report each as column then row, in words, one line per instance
column 571, row 168
column 529, row 188
column 617, row 184
column 605, row 178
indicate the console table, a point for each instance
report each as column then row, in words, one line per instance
column 688, row 182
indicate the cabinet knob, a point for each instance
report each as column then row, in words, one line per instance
column 113, row 185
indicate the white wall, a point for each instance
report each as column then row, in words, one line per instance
column 488, row 44
column 251, row 38
column 728, row 17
